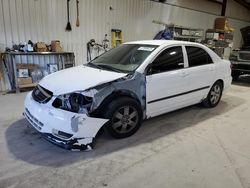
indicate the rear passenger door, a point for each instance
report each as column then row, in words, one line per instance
column 201, row 71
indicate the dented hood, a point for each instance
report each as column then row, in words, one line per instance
column 77, row 78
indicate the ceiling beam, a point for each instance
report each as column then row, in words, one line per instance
column 223, row 8
column 243, row 3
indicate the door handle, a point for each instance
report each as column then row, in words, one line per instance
column 184, row 74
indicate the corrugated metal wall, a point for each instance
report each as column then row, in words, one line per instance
column 45, row 20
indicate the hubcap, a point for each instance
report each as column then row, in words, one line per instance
column 125, row 119
column 215, row 94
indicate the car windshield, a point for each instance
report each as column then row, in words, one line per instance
column 126, row 58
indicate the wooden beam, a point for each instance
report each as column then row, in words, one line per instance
column 224, row 7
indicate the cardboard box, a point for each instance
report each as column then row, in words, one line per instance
column 23, row 81
column 56, row 46
column 185, row 32
column 223, row 24
column 220, row 23
column 23, row 73
column 26, row 66
column 40, row 47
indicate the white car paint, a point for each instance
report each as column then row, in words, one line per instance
column 56, row 119
column 183, row 80
column 77, row 78
column 169, row 83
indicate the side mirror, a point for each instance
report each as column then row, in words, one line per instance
column 148, row 70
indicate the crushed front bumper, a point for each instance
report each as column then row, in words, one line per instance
column 66, row 129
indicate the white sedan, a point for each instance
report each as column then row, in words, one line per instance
column 117, row 90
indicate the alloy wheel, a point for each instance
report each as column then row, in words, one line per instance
column 125, row 119
column 215, row 94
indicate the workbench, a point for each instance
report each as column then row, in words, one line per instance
column 40, row 59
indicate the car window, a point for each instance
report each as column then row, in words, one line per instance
column 197, row 56
column 126, row 58
column 169, row 59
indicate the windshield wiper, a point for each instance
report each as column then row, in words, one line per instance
column 107, row 67
column 94, row 65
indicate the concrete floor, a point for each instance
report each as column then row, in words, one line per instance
column 192, row 147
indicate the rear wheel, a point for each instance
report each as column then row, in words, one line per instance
column 214, row 95
column 124, row 116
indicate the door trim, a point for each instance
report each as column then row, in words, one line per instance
column 179, row 94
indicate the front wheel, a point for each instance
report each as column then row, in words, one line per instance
column 125, row 116
column 214, row 95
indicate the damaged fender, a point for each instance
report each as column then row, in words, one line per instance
column 133, row 85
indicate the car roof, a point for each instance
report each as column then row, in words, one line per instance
column 163, row 42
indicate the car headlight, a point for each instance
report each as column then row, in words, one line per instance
column 74, row 102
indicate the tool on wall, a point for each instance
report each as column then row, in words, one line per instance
column 90, row 45
column 77, row 14
column 94, row 49
column 68, row 26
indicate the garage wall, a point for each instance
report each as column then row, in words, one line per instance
column 45, row 20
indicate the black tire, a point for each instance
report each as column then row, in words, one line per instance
column 125, row 117
column 235, row 75
column 214, row 95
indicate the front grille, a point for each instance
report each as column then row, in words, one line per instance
column 35, row 122
column 242, row 66
column 41, row 94
column 61, row 134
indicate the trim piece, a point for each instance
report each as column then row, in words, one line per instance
column 172, row 96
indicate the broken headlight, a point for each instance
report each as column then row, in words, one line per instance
column 74, row 102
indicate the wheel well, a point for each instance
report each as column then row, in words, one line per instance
column 221, row 81
column 114, row 95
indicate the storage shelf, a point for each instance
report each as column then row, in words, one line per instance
column 182, row 32
column 188, row 37
column 27, row 85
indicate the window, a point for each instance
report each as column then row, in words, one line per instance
column 169, row 59
column 197, row 56
column 125, row 58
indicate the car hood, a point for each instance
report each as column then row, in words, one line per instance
column 77, row 78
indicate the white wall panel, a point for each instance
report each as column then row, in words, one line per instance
column 45, row 20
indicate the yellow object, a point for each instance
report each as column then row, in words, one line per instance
column 117, row 37
column 222, row 24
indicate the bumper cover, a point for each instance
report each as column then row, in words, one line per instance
column 66, row 129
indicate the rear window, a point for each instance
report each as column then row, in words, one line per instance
column 197, row 56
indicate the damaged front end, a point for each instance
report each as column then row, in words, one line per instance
column 65, row 127
column 72, row 120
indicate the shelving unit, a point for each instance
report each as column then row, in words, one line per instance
column 220, row 42
column 186, row 33
column 183, row 33
column 34, row 60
